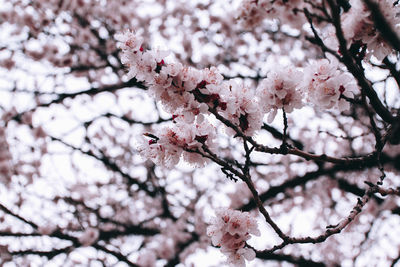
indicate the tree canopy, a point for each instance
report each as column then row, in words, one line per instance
column 199, row 133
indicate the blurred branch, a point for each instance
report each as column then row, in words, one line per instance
column 92, row 91
column 111, row 165
column 7, row 211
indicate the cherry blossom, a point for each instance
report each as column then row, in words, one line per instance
column 114, row 151
column 325, row 84
column 167, row 147
column 358, row 27
column 230, row 230
column 281, row 89
column 190, row 92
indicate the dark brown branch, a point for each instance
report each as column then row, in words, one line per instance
column 293, row 151
column 116, row 254
column 310, row 176
column 6, row 210
column 278, row 135
column 92, row 91
column 48, row 254
column 330, row 229
column 132, row 121
column 111, row 165
column 396, row 260
column 225, row 165
column 299, row 261
column 393, row 71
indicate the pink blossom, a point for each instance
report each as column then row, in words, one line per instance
column 230, row 230
column 192, row 77
column 358, row 26
column 129, row 40
column 239, row 104
column 281, row 89
column 324, row 84
column 212, row 76
column 167, row 146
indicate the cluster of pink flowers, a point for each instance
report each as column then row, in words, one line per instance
column 171, row 143
column 357, row 23
column 188, row 94
column 281, row 89
column 239, row 104
column 322, row 84
column 187, row 91
column 326, row 83
column 230, row 230
column 358, row 27
column 191, row 94
column 176, row 87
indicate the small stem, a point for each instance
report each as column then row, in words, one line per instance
column 285, row 127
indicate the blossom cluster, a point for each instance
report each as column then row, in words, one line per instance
column 357, row 22
column 239, row 104
column 166, row 147
column 321, row 83
column 360, row 31
column 326, row 84
column 358, row 26
column 189, row 92
column 190, row 95
column 281, row 89
column 230, row 230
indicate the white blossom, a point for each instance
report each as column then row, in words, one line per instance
column 129, row 40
